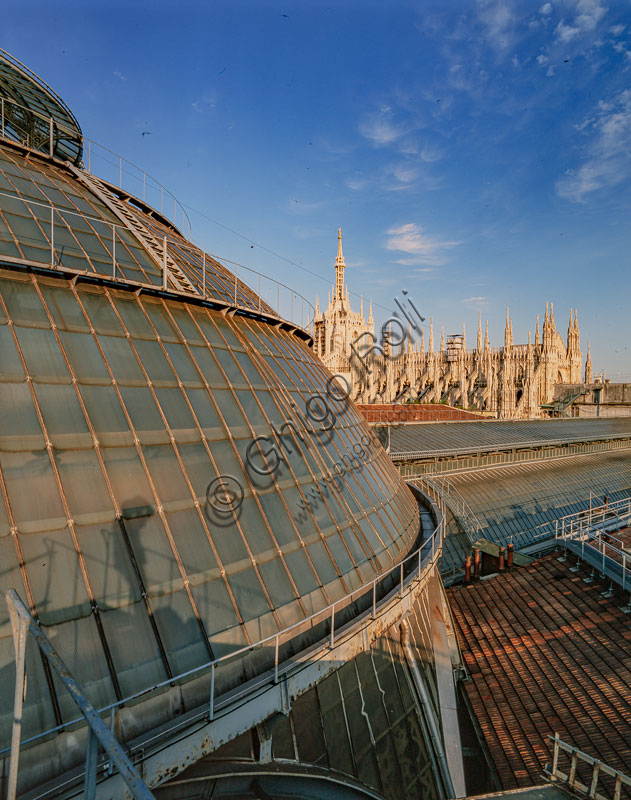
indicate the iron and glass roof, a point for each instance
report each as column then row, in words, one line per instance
column 119, row 411
column 31, row 111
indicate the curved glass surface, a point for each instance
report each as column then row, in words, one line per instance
column 29, row 106
column 142, row 516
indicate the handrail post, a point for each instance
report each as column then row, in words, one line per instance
column 50, row 137
column 2, row 115
column 52, row 236
column 164, row 262
column 19, row 626
column 211, row 709
column 374, row 599
column 113, row 251
column 555, row 756
column 203, row 274
column 401, row 586
column 276, row 659
column 332, row 625
column 91, row 760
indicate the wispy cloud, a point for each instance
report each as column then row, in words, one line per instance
column 481, row 302
column 380, row 127
column 588, row 14
column 207, row 102
column 498, row 18
column 422, row 249
column 609, row 160
column 119, row 75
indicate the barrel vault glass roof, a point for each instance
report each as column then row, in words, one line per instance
column 30, row 105
column 425, row 437
column 514, row 503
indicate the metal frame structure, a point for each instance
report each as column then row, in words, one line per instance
column 234, row 300
column 588, row 535
column 407, row 573
column 22, row 622
column 570, row 779
column 513, row 447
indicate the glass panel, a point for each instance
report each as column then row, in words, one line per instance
column 41, row 503
column 10, row 364
column 109, row 566
column 122, row 360
column 17, row 412
column 83, row 482
column 55, row 576
column 85, row 357
column 62, row 412
column 166, row 473
column 42, row 355
column 249, row 594
column 155, row 363
column 209, row 367
column 63, row 307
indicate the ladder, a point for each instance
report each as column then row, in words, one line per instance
column 154, row 246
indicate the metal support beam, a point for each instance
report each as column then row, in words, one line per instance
column 21, row 622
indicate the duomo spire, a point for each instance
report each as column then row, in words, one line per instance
column 339, row 269
column 337, row 327
column 516, row 381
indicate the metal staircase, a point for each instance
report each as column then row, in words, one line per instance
column 559, row 406
column 155, row 247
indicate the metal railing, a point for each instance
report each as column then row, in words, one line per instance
column 409, row 570
column 55, row 225
column 589, row 537
column 572, row 781
column 43, row 138
column 456, row 503
column 114, row 168
column 591, row 513
column 132, row 179
column 22, row 622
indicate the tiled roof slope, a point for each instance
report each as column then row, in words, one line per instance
column 546, row 653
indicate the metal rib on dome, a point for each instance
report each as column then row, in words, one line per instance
column 32, row 114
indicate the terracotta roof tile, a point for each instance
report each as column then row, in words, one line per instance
column 546, row 653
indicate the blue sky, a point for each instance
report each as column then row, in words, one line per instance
column 477, row 154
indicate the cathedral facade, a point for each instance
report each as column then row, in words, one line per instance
column 510, row 382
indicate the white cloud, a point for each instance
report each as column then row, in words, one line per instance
column 588, row 15
column 380, row 129
column 609, row 154
column 477, row 301
column 119, row 75
column 422, row 248
column 356, row 184
column 545, row 9
column 431, row 154
column 616, row 30
column 549, row 72
column 205, row 103
column 499, row 20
